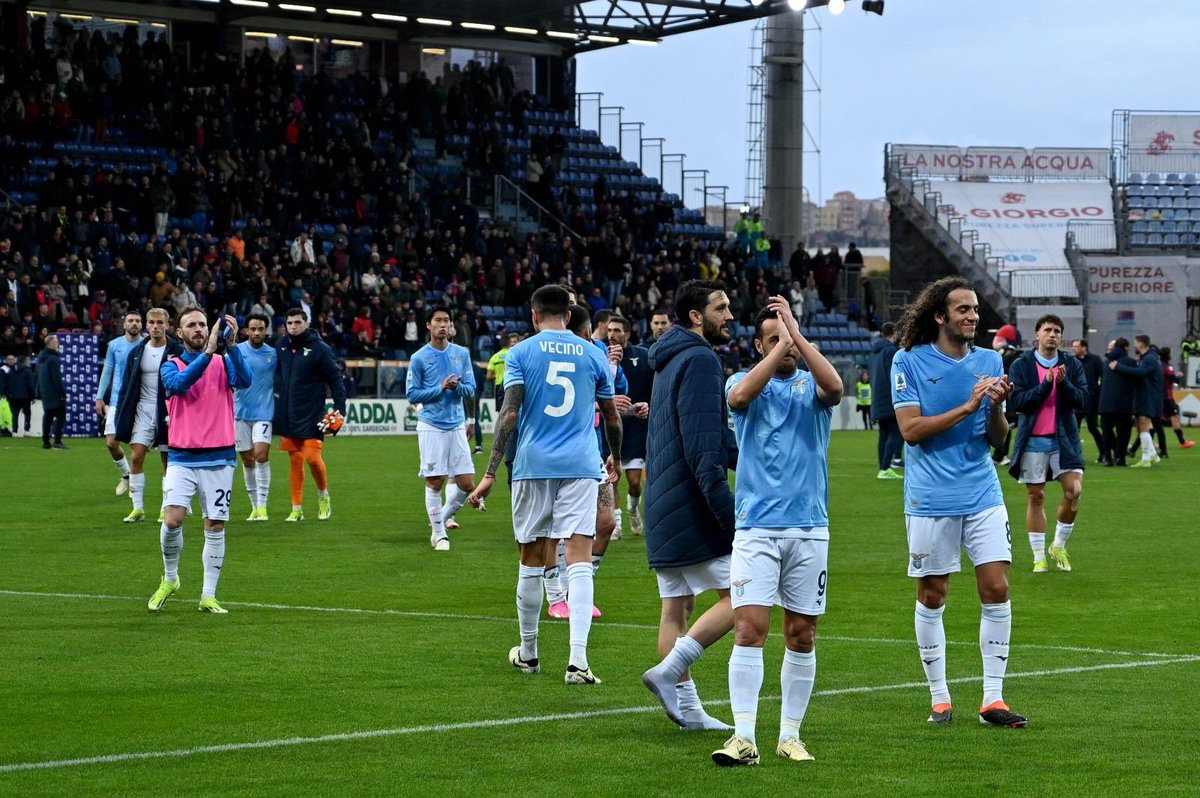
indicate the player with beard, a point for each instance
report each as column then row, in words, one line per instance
column 108, row 395
column 635, row 362
column 949, row 398
column 689, row 507
column 253, row 411
column 660, row 322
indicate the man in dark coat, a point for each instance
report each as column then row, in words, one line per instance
column 307, row 366
column 53, row 393
column 1093, row 374
column 891, row 445
column 1116, row 405
column 689, row 507
column 1049, row 388
column 1147, row 394
column 19, row 390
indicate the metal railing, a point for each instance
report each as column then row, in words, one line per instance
column 524, row 208
column 1092, row 236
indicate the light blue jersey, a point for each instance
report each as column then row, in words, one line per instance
column 563, row 376
column 951, row 473
column 113, row 373
column 426, row 371
column 257, row 403
column 783, row 445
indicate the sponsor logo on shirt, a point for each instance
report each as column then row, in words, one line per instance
column 901, row 382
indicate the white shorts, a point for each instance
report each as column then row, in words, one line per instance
column 636, row 464
column 1036, row 465
column 110, row 420
column 248, row 433
column 788, row 571
column 444, row 452
column 935, row 543
column 694, row 579
column 145, row 425
column 553, row 508
column 214, row 484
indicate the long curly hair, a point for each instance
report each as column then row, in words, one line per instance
column 918, row 326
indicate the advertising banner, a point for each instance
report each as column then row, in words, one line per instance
column 981, row 163
column 1131, row 295
column 1164, row 143
column 395, row 417
column 1026, row 223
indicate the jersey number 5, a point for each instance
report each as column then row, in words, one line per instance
column 557, row 376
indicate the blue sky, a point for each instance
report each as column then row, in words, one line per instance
column 963, row 72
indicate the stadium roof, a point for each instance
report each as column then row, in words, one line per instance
column 549, row 27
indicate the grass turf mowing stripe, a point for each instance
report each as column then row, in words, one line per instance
column 599, row 623
column 134, row 756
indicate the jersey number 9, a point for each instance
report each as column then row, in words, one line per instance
column 557, row 376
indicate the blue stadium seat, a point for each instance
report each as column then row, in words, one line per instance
column 1138, row 240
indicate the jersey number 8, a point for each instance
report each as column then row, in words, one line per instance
column 557, row 376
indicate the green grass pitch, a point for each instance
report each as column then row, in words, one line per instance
column 356, row 661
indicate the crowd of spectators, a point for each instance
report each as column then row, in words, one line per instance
column 281, row 190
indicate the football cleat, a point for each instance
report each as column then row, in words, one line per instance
column 737, row 751
column 576, row 676
column 439, row 544
column 1156, row 459
column 523, row 665
column 331, row 422
column 296, row 515
column 889, row 473
column 941, row 713
column 162, row 514
column 262, row 514
column 324, row 508
column 635, row 522
column 663, row 687
column 1039, row 566
column 793, row 748
column 122, row 486
column 210, row 605
column 1061, row 560
column 1186, row 444
column 135, row 515
column 558, row 610
column 1141, row 464
column 253, row 515
column 997, row 713
column 450, row 523
column 165, row 591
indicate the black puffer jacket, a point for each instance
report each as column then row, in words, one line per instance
column 689, row 506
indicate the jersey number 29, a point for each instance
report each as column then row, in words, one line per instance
column 557, row 376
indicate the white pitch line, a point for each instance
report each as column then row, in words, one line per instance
column 610, row 624
column 134, row 756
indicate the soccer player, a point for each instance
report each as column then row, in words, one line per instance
column 635, row 363
column 660, row 322
column 782, row 418
column 949, row 398
column 199, row 386
column 495, row 366
column 141, row 411
column 108, row 395
column 307, row 368
column 441, row 379
column 551, row 382
column 1050, row 394
column 689, row 505
column 1146, row 377
column 253, row 413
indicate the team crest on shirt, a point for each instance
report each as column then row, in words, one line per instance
column 306, row 351
column 917, row 560
column 739, row 587
column 634, row 361
column 901, row 382
column 979, row 375
column 800, row 385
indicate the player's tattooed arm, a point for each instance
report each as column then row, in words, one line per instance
column 506, row 425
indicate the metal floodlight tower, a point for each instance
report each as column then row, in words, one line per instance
column 783, row 142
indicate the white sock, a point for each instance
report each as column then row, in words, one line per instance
column 931, row 642
column 745, row 680
column 137, row 490
column 631, row 503
column 995, row 625
column 682, row 656
column 689, row 699
column 1062, row 533
column 580, row 592
column 262, row 475
column 433, row 507
column 171, row 541
column 323, row 493
column 552, row 581
column 529, row 607
column 1147, row 441
column 797, row 676
column 455, row 498
column 596, row 560
column 1037, row 542
column 250, row 476
column 214, row 558
column 122, row 466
